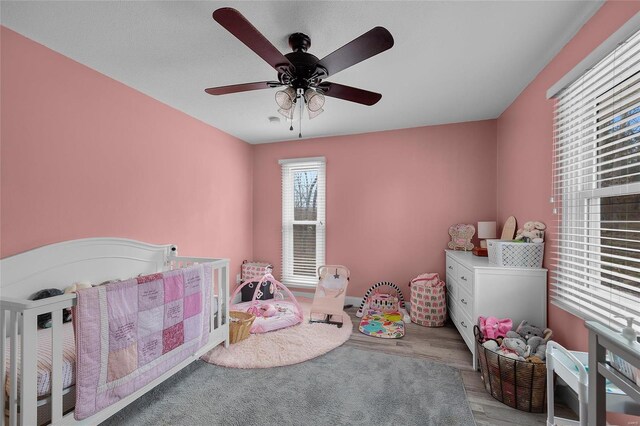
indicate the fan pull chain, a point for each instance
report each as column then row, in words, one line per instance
column 300, row 122
column 291, row 119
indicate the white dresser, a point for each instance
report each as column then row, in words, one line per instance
column 475, row 288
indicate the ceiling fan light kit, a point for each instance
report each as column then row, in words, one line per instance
column 300, row 72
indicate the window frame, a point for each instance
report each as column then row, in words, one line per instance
column 580, row 221
column 289, row 167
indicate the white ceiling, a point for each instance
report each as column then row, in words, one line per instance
column 451, row 62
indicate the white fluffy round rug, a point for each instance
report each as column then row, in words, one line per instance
column 282, row 347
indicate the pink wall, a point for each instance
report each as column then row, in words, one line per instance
column 391, row 197
column 524, row 147
column 83, row 155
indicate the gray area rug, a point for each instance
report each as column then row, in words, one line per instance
column 347, row 386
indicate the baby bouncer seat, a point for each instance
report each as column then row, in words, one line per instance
column 328, row 301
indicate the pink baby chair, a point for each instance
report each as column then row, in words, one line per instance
column 328, row 301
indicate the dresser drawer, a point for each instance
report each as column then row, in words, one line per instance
column 465, row 278
column 464, row 302
column 451, row 306
column 465, row 327
column 452, row 267
column 451, row 286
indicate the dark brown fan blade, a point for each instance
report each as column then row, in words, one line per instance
column 244, row 31
column 349, row 93
column 367, row 45
column 245, row 87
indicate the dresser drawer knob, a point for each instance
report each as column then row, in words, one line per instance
column 450, row 267
column 463, row 301
column 463, row 278
column 463, row 324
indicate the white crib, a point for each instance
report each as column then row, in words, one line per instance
column 57, row 266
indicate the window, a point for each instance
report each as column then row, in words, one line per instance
column 303, row 220
column 597, row 190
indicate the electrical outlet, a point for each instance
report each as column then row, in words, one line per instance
column 238, row 279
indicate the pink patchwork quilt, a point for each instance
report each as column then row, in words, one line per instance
column 128, row 333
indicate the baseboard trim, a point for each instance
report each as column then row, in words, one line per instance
column 349, row 300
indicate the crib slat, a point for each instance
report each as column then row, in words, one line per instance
column 57, row 339
column 3, row 367
column 218, row 288
column 213, row 304
column 225, row 291
column 13, row 373
column 223, row 285
column 29, row 363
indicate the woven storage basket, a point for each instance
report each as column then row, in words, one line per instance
column 239, row 330
column 509, row 253
column 518, row 384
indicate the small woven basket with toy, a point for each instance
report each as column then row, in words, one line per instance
column 239, row 326
column 512, row 363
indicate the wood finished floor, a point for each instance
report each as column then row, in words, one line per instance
column 445, row 345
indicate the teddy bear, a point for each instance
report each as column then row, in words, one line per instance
column 532, row 232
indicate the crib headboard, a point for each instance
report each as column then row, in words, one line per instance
column 91, row 259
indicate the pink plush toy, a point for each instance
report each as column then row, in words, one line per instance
column 492, row 327
column 268, row 310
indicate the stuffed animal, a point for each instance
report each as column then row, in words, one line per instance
column 514, row 346
column 537, row 347
column 268, row 310
column 497, row 347
column 77, row 286
column 534, row 359
column 526, row 331
column 532, row 232
column 492, row 327
column 533, row 337
column 492, row 345
column 44, row 320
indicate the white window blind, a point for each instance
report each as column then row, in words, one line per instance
column 303, row 220
column 596, row 185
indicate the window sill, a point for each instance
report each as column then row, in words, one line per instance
column 292, row 284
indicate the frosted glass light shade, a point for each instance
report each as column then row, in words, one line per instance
column 314, row 114
column 286, row 98
column 315, row 100
column 287, row 113
column 486, row 230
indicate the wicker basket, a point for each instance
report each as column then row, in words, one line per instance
column 239, row 325
column 518, row 384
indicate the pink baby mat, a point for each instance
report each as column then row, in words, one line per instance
column 286, row 317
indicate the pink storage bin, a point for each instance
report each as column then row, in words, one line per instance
column 254, row 271
column 428, row 300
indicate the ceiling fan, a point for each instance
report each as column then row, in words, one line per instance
column 301, row 73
